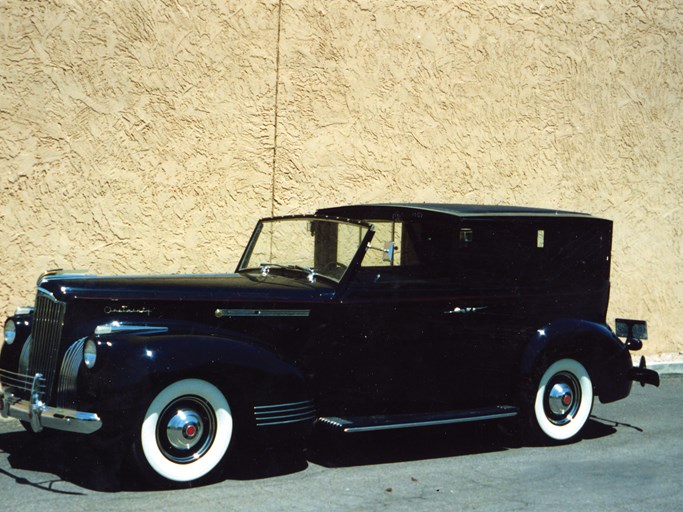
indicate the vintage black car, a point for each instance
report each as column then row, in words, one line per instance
column 357, row 318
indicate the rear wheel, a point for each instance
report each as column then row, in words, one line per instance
column 562, row 402
column 186, row 432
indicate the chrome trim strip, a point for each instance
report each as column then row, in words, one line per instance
column 264, row 417
column 220, row 313
column 291, row 404
column 335, row 422
column 279, row 414
column 62, row 273
column 340, row 423
column 283, row 409
column 23, row 357
column 68, row 375
column 46, row 293
column 118, row 328
column 13, row 380
column 270, row 423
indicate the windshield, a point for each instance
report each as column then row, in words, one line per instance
column 309, row 246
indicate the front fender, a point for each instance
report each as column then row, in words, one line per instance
column 606, row 358
column 10, row 354
column 131, row 368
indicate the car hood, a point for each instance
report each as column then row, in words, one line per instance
column 220, row 287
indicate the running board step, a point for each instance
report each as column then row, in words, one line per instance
column 390, row 422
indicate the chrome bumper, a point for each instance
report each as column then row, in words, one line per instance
column 38, row 415
column 643, row 374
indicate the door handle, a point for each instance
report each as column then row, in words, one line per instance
column 457, row 310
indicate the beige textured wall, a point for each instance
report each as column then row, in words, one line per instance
column 138, row 136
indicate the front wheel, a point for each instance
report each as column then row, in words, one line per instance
column 186, row 431
column 562, row 402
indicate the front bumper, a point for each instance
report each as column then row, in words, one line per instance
column 39, row 415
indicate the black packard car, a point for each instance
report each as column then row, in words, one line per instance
column 359, row 318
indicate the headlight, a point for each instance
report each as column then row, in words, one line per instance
column 89, row 353
column 10, row 331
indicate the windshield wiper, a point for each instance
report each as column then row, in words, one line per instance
column 311, row 274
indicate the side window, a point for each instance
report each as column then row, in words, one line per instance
column 423, row 250
column 349, row 239
column 499, row 253
column 336, row 245
column 386, row 232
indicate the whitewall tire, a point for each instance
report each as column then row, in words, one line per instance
column 563, row 400
column 186, row 431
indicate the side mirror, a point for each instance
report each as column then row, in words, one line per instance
column 389, row 249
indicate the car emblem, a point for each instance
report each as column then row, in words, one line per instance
column 108, row 310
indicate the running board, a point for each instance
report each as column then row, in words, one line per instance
column 390, row 422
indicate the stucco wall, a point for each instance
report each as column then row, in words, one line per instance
column 148, row 136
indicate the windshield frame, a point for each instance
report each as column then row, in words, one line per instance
column 354, row 263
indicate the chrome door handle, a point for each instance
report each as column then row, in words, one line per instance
column 457, row 310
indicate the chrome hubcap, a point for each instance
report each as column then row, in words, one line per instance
column 186, row 429
column 562, row 398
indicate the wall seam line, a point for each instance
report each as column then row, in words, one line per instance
column 276, row 119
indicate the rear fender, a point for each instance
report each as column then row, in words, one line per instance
column 606, row 358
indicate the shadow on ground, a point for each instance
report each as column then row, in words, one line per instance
column 60, row 457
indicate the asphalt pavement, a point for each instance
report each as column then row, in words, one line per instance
column 630, row 459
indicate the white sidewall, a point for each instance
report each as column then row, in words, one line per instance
column 569, row 430
column 224, row 424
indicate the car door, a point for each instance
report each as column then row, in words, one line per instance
column 391, row 343
column 375, row 350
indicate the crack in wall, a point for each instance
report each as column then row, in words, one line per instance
column 275, row 120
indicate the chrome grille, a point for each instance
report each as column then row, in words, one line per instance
column 68, row 375
column 48, row 320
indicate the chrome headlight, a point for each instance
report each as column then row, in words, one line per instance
column 10, row 331
column 89, row 353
